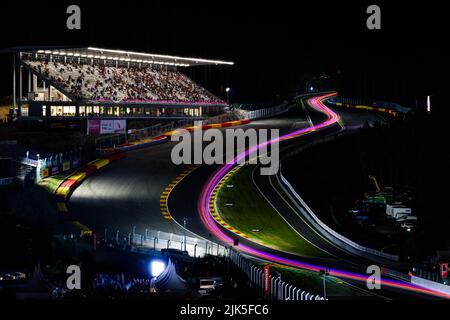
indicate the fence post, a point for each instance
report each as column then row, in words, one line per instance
column 271, row 286
column 280, row 290
column 297, row 293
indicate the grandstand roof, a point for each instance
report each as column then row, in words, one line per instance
column 120, row 55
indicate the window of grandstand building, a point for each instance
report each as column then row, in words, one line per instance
column 62, row 111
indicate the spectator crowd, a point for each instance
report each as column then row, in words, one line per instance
column 116, row 284
column 99, row 82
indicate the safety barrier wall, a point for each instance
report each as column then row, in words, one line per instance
column 388, row 108
column 169, row 130
column 156, row 130
column 61, row 162
column 68, row 185
column 142, row 144
column 428, row 284
column 7, row 181
column 197, row 247
column 278, row 289
column 377, row 104
column 330, row 233
column 267, row 112
column 73, row 180
column 434, row 275
column 158, row 240
column 316, row 222
column 212, row 126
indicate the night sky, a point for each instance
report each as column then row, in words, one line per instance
column 276, row 46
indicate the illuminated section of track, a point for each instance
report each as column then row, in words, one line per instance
column 212, row 226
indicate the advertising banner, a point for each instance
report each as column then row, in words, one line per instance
column 55, row 170
column 120, row 126
column 97, row 126
column 66, row 165
column 444, row 270
column 75, row 163
column 44, row 173
column 266, row 280
column 93, row 126
column 107, row 126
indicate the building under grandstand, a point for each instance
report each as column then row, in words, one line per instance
column 79, row 83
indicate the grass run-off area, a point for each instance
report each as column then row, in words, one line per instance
column 310, row 281
column 251, row 211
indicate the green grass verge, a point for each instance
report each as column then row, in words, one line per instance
column 250, row 210
column 311, row 282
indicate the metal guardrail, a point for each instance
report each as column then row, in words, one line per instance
column 7, row 181
column 266, row 112
column 376, row 104
column 158, row 240
column 330, row 233
column 312, row 218
column 196, row 247
column 434, row 276
column 431, row 285
column 279, row 289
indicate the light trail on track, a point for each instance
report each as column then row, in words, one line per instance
column 209, row 222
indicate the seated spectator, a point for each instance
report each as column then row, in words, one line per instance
column 100, row 82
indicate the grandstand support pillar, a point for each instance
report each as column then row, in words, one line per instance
column 29, row 82
column 20, row 92
column 14, row 85
column 77, row 110
column 35, row 83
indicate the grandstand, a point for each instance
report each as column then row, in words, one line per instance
column 78, row 83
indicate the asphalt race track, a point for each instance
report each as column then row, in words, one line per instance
column 127, row 192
